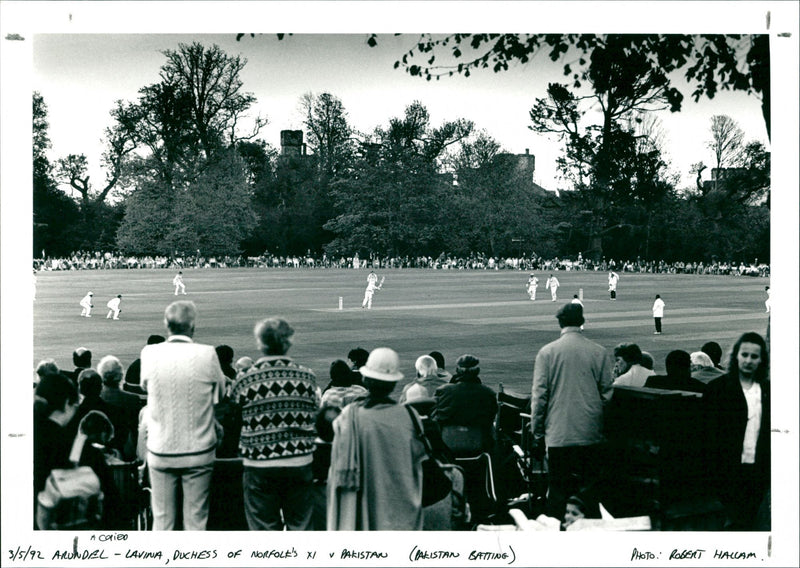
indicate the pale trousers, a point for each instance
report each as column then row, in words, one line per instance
column 195, row 482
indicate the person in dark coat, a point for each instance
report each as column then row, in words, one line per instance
column 679, row 374
column 82, row 359
column 133, row 381
column 737, row 410
column 466, row 402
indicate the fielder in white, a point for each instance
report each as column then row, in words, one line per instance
column 372, row 285
column 553, row 284
column 613, row 278
column 531, row 286
column 113, row 307
column 178, row 283
column 86, row 304
column 768, row 301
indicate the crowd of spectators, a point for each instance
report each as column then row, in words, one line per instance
column 343, row 454
column 476, row 261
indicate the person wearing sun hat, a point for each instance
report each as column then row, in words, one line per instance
column 375, row 478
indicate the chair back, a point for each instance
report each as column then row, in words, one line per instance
column 463, row 441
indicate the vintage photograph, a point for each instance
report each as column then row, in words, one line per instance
column 461, row 288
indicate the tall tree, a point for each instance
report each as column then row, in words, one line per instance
column 709, row 63
column 392, row 201
column 727, row 141
column 55, row 215
column 328, row 133
column 211, row 80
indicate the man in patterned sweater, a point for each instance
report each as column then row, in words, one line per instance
column 278, row 400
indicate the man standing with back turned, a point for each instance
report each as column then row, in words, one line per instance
column 183, row 381
column 278, row 400
column 572, row 379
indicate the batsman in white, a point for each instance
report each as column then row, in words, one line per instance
column 553, row 284
column 86, row 304
column 372, row 285
column 531, row 286
column 113, row 307
column 178, row 283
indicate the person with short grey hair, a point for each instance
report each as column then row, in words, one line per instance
column 702, row 367
column 183, row 380
column 278, row 399
column 123, row 407
column 426, row 382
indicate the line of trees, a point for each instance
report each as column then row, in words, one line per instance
column 184, row 174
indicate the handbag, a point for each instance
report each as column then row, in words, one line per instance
column 71, row 498
column 436, row 485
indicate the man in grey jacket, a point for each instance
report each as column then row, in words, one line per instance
column 572, row 383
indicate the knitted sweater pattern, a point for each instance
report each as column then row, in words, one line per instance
column 278, row 401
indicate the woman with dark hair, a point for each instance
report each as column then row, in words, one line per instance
column 375, row 478
column 737, row 407
column 52, row 439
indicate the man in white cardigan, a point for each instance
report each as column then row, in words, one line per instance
column 183, row 381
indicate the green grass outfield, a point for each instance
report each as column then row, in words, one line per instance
column 486, row 313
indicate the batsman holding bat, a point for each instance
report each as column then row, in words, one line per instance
column 372, row 285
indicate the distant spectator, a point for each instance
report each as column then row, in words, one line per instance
column 426, row 381
column 703, row 368
column 90, row 385
column 225, row 356
column 647, row 361
column 133, row 383
column 375, row 480
column 713, row 350
column 358, row 358
column 440, row 370
column 679, row 374
column 737, row 406
column 278, row 401
column 242, row 365
column 341, row 390
column 82, row 359
column 629, row 367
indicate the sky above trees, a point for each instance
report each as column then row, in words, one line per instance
column 80, row 77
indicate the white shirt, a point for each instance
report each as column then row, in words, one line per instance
column 87, row 300
column 636, row 376
column 658, row 308
column 177, row 280
column 113, row 303
column 372, row 278
column 612, row 280
column 552, row 282
column 753, row 398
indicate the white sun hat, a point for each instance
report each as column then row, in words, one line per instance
column 382, row 364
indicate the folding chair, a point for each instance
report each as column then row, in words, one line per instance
column 510, row 406
column 479, row 487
